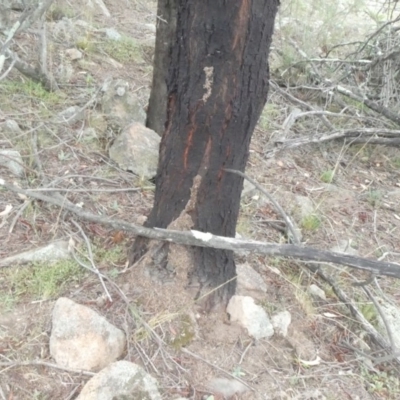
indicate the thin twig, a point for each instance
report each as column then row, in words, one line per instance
column 184, row 350
column 290, row 225
column 384, row 319
column 27, row 202
column 135, row 189
column 294, row 99
column 12, row 364
column 91, row 260
column 2, row 393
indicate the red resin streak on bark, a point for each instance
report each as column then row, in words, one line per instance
column 188, row 147
column 242, row 20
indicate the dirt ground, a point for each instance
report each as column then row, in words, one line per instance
column 361, row 205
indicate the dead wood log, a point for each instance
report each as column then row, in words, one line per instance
column 201, row 239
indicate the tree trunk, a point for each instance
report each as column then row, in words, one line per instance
column 217, row 87
column 166, row 28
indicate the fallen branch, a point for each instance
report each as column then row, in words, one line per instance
column 196, row 238
column 361, row 135
column 386, row 112
column 301, row 103
column 48, row 82
column 376, row 336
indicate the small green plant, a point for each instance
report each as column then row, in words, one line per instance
column 381, row 383
column 32, row 90
column 238, row 372
column 44, row 280
column 123, row 50
column 374, row 197
column 113, row 273
column 36, row 395
column 396, row 162
column 269, row 114
column 269, row 307
column 311, row 222
column 86, row 43
column 368, row 310
column 63, row 156
column 109, row 256
column 327, row 176
column 7, row 302
column 186, row 333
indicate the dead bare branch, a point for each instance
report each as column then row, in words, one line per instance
column 35, row 14
column 91, row 260
column 294, row 235
column 300, row 103
column 201, row 239
column 47, row 81
column 28, row 17
column 395, row 117
column 361, row 135
column 12, row 364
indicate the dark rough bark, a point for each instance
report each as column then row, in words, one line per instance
column 166, row 29
column 217, row 87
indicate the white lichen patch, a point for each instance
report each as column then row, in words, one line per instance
column 204, row 236
column 209, row 71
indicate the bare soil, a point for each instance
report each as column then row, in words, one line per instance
column 180, row 346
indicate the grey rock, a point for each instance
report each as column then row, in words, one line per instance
column 281, row 322
column 251, row 316
column 312, row 394
column 225, row 387
column 98, row 122
column 316, row 291
column 64, row 71
column 121, row 380
column 10, row 126
column 392, row 316
column 112, row 34
column 71, row 115
column 73, row 54
column 249, row 190
column 136, row 150
column 249, row 282
column 303, row 344
column 120, row 106
column 54, row 251
column 150, row 27
column 89, row 133
column 12, row 160
column 82, row 339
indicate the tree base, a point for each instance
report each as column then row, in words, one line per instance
column 208, row 275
